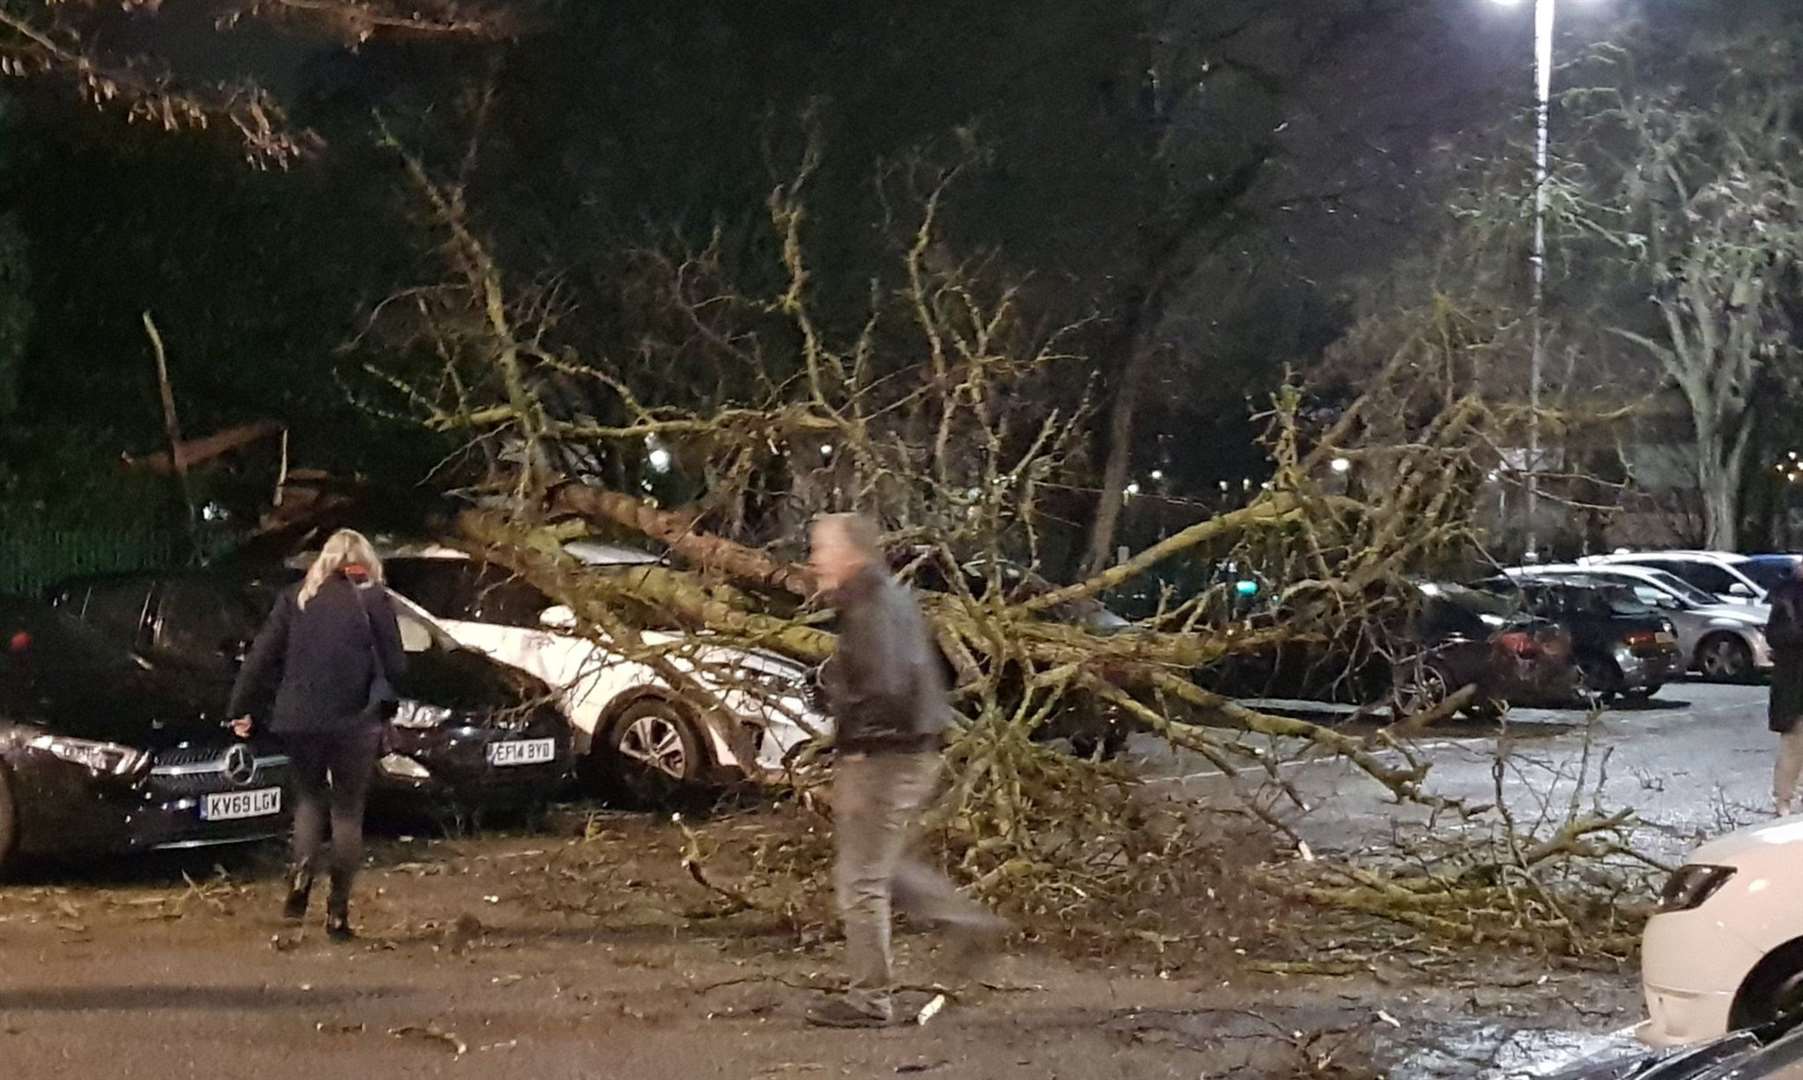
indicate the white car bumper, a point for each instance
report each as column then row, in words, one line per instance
column 1691, row 967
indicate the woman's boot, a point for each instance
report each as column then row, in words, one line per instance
column 300, row 887
column 338, row 911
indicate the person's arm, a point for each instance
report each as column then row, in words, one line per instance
column 387, row 628
column 266, row 654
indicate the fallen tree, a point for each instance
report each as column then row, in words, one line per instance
column 950, row 415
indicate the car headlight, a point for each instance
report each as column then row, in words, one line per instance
column 101, row 757
column 413, row 714
column 1689, row 886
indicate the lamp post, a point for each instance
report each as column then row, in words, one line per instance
column 1545, row 18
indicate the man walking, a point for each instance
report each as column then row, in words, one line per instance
column 887, row 694
column 1784, row 632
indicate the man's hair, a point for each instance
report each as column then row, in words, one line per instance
column 859, row 531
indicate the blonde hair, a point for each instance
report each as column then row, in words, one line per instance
column 345, row 548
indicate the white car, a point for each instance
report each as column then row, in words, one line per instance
column 1725, row 950
column 1721, row 641
column 1723, row 574
column 632, row 727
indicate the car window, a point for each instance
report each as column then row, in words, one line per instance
column 1768, row 574
column 444, row 587
column 1649, row 595
column 502, row 598
column 1685, row 590
column 1706, row 576
column 201, row 619
column 116, row 609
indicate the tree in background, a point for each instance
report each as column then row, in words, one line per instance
column 1684, row 196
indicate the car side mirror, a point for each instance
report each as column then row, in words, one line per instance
column 558, row 617
column 1740, row 589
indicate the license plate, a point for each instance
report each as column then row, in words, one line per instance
column 232, row 805
column 1664, row 638
column 523, row 752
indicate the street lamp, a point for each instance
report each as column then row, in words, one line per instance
column 1545, row 18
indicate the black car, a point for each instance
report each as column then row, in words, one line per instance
column 1771, row 1052
column 101, row 752
column 470, row 732
column 1622, row 645
column 1426, row 645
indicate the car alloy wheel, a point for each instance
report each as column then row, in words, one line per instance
column 655, row 743
column 1724, row 657
column 1424, row 687
column 651, row 755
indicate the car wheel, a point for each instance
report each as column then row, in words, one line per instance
column 1600, row 679
column 653, row 752
column 1421, row 688
column 1644, row 693
column 1774, row 988
column 1725, row 657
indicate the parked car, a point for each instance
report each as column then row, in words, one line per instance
column 470, row 733
column 1621, row 645
column 101, row 752
column 1769, row 571
column 632, row 727
column 1771, row 1051
column 1722, row 574
column 1725, row 950
column 1721, row 641
column 1451, row 638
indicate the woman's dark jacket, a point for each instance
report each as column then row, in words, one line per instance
column 319, row 662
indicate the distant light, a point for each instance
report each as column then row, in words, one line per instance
column 1223, row 487
column 1340, row 464
column 1133, row 488
column 660, row 460
column 1267, row 485
column 1158, row 474
column 827, row 450
column 1793, row 455
column 1246, row 588
column 1246, row 484
column 212, row 512
column 1492, row 475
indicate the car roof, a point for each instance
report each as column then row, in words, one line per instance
column 587, row 552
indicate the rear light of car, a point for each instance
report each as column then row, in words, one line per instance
column 1519, row 642
column 18, row 643
column 1641, row 639
column 1690, row 886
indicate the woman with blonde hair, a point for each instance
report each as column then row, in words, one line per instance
column 327, row 661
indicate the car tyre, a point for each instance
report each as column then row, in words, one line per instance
column 1725, row 657
column 1643, row 693
column 1772, row 989
column 652, row 753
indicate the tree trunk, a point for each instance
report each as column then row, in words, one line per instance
column 1120, row 461
column 1720, row 462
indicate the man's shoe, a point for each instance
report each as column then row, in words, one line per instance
column 840, row 1013
column 971, row 951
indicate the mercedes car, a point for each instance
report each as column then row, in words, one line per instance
column 103, row 752
column 470, row 733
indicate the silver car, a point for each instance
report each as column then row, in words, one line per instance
column 1722, row 641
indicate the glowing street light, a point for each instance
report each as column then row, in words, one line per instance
column 1545, row 19
column 659, row 459
column 1340, row 465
